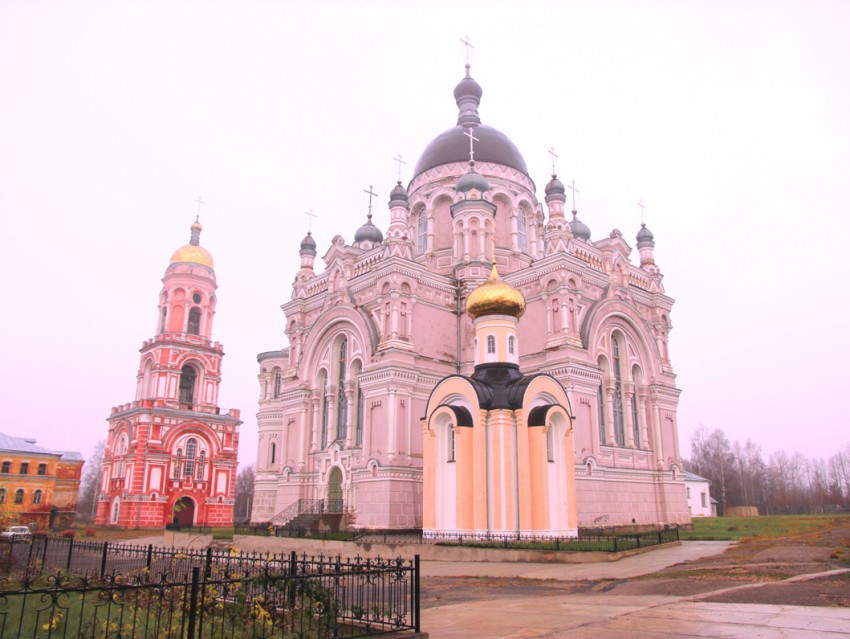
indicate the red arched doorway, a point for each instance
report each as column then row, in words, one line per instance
column 184, row 512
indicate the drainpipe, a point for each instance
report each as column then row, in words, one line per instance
column 459, row 315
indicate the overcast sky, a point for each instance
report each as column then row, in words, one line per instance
column 731, row 120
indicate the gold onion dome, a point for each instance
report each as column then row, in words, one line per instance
column 495, row 297
column 193, row 252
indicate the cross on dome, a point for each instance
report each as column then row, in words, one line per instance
column 573, row 188
column 398, row 159
column 642, row 209
column 554, row 155
column 311, row 216
column 371, row 195
column 472, row 139
column 468, row 45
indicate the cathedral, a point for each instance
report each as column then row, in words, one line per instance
column 344, row 422
column 171, row 453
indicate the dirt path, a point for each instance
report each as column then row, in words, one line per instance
column 777, row 571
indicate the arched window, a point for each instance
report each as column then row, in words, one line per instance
column 550, row 444
column 194, row 325
column 522, row 231
column 635, row 420
column 178, row 460
column 36, row 497
column 450, row 440
column 191, row 449
column 19, row 496
column 358, row 431
column 324, row 439
column 162, row 320
column 619, row 430
column 272, row 453
column 491, row 344
column 188, row 375
column 2, row 495
column 422, row 234
column 342, row 402
column 511, row 344
column 277, row 382
column 115, row 509
column 202, row 458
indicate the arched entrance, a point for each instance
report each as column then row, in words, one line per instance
column 334, row 504
column 184, row 512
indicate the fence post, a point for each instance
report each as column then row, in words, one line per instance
column 293, row 563
column 416, row 620
column 70, row 553
column 193, row 602
column 208, row 563
column 103, row 559
column 637, row 539
column 615, row 544
column 659, row 537
column 149, row 558
column 44, row 553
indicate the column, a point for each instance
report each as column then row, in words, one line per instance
column 350, row 415
column 314, row 445
column 628, row 414
column 656, row 433
column 303, row 444
column 610, row 389
column 391, row 423
column 644, row 434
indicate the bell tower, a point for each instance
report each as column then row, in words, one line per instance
column 171, row 454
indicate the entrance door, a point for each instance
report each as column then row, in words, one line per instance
column 334, row 491
column 184, row 512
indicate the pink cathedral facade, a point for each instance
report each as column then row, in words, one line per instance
column 373, row 332
column 171, row 453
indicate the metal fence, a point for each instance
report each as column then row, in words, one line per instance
column 62, row 588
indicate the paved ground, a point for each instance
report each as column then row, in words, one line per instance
column 598, row 614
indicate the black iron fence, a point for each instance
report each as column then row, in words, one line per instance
column 63, row 588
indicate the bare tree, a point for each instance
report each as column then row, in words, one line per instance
column 90, row 483
column 244, row 498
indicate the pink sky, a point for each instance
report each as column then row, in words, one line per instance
column 731, row 120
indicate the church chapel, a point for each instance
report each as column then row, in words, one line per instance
column 344, row 421
column 171, row 453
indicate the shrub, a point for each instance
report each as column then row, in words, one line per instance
column 68, row 533
column 90, row 532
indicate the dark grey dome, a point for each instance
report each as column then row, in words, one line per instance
column 398, row 196
column 453, row 145
column 644, row 237
column 579, row 228
column 555, row 190
column 308, row 243
column 472, row 180
column 368, row 233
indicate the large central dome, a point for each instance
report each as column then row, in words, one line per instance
column 453, row 145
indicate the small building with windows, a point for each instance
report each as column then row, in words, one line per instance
column 700, row 501
column 171, row 453
column 38, row 486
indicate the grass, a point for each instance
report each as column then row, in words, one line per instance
column 736, row 528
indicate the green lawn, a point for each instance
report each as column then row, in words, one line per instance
column 734, row 528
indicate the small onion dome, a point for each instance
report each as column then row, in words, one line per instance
column 555, row 190
column 579, row 228
column 472, row 180
column 495, row 297
column 398, row 196
column 193, row 252
column 468, row 88
column 644, row 237
column 368, row 233
column 308, row 243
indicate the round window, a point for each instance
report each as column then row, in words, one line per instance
column 196, row 298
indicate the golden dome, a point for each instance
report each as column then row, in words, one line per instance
column 495, row 297
column 193, row 254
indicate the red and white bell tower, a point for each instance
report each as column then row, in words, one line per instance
column 171, row 454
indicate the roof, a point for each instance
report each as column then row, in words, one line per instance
column 689, row 476
column 22, row 445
